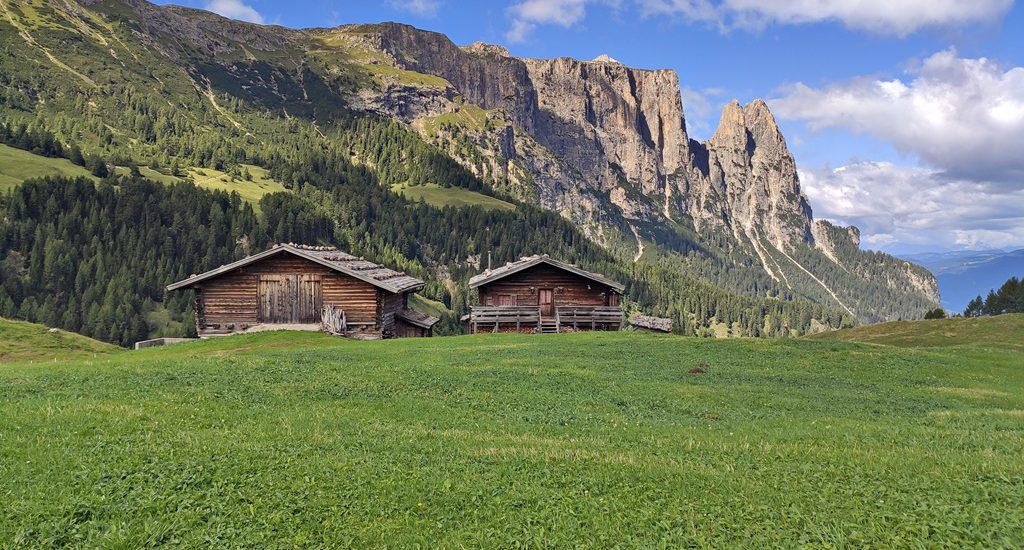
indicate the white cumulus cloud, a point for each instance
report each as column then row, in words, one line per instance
column 527, row 14
column 963, row 116
column 898, row 17
column 235, row 9
column 426, row 8
column 916, row 206
column 892, row 17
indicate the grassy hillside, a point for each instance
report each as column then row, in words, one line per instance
column 998, row 331
column 288, row 439
column 22, row 342
column 440, row 197
column 17, row 166
column 250, row 190
column 428, row 306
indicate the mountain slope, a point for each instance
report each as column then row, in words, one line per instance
column 602, row 144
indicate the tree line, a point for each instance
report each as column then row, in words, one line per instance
column 1008, row 298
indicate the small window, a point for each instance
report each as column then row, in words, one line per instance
column 507, row 300
column 613, row 299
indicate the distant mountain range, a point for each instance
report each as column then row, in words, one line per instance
column 964, row 274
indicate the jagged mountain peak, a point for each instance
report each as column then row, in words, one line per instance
column 732, row 127
column 753, row 121
column 761, row 124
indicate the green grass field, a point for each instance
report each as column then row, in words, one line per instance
column 17, row 166
column 999, row 331
column 22, row 342
column 251, row 191
column 440, row 197
column 603, row 439
column 149, row 174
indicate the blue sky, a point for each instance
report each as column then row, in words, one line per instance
column 906, row 117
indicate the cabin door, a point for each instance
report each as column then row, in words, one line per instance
column 546, row 299
column 290, row 299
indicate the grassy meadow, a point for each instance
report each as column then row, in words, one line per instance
column 603, row 439
column 17, row 166
column 249, row 190
column 440, row 197
column 22, row 342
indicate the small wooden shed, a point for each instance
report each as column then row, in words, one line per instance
column 306, row 287
column 541, row 294
column 647, row 323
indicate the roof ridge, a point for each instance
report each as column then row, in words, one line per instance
column 358, row 268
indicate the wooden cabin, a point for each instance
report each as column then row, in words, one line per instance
column 306, row 288
column 539, row 294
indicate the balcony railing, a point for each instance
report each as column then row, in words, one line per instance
column 577, row 317
column 590, row 317
column 520, row 316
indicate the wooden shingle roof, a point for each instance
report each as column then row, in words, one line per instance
column 364, row 270
column 530, row 261
column 417, row 318
column 653, row 323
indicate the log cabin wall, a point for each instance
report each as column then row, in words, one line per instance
column 233, row 298
column 391, row 305
column 522, row 289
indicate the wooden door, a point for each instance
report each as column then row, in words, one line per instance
column 546, row 299
column 272, row 297
column 308, row 299
column 290, row 299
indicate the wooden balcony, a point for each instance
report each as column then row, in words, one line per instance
column 524, row 317
column 588, row 317
column 521, row 317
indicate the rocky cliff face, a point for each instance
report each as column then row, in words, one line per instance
column 622, row 132
column 600, row 141
column 751, row 172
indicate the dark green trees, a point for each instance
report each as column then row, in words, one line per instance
column 1008, row 299
column 95, row 259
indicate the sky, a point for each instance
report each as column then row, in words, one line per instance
column 906, row 117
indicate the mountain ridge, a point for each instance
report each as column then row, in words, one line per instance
column 742, row 181
column 600, row 143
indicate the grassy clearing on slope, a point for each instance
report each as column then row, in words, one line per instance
column 428, row 306
column 998, row 331
column 436, row 195
column 149, row 174
column 251, row 191
column 22, row 342
column 596, row 439
column 17, row 166
column 469, row 116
